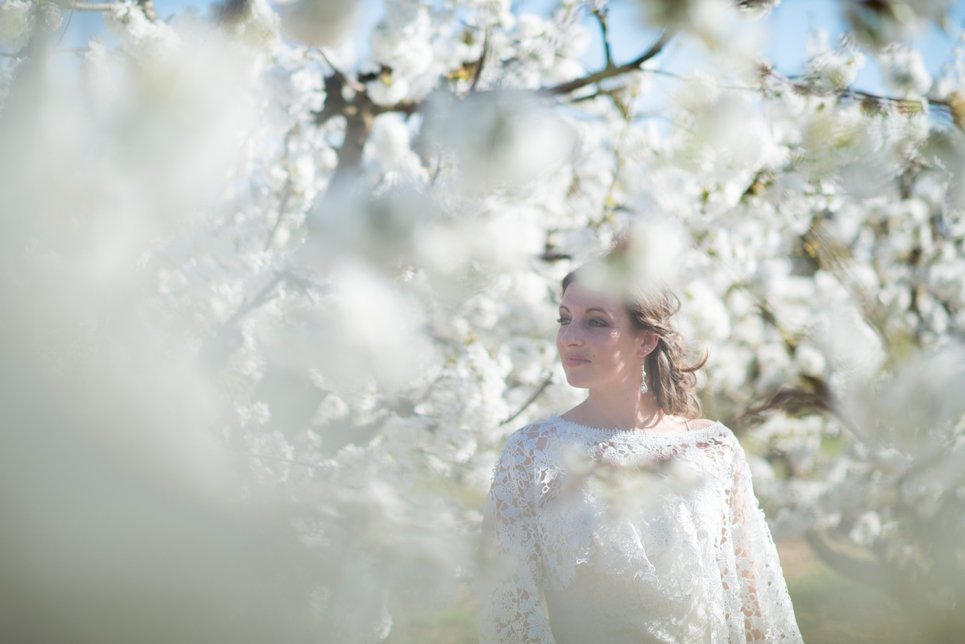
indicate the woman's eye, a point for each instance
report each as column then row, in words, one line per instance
column 598, row 322
column 562, row 320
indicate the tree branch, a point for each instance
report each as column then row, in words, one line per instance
column 147, row 7
column 529, row 401
column 359, row 117
column 334, row 101
column 477, row 74
column 303, row 283
column 904, row 105
column 260, row 298
column 348, row 82
column 63, row 31
column 610, row 72
column 285, row 197
column 281, row 459
column 91, row 6
column 863, row 569
column 604, row 34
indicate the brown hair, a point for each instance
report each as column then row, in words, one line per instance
column 672, row 381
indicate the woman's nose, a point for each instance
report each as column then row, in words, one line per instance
column 570, row 335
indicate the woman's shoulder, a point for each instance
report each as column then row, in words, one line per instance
column 529, row 435
column 695, row 424
column 720, row 433
column 716, row 427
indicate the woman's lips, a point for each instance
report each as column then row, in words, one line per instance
column 575, row 362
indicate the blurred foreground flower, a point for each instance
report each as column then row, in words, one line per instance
column 499, row 139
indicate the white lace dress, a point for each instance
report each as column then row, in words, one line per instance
column 602, row 535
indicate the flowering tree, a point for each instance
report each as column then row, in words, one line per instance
column 274, row 306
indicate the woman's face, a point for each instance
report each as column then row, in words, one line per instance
column 597, row 342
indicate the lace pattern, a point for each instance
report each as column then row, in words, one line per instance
column 628, row 536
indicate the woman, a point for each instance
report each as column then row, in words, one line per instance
column 625, row 519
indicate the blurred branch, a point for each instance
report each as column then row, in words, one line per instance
column 552, row 254
column 869, row 100
column 736, row 88
column 285, row 198
column 342, row 78
column 231, row 11
column 359, row 117
column 263, row 296
column 334, row 101
column 921, row 465
column 227, row 337
column 63, row 31
column 359, row 112
column 863, row 569
column 303, row 283
column 286, row 189
column 600, row 14
column 610, row 72
column 147, row 7
column 281, row 459
column 529, row 401
column 91, row 6
column 477, row 74
column 955, row 107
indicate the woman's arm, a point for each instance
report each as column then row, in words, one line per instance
column 508, row 587
column 765, row 603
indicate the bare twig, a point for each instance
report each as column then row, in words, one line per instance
column 610, row 72
column 91, row 6
column 286, row 191
column 263, row 296
column 305, row 284
column 404, row 107
column 285, row 197
column 63, row 32
column 338, row 73
column 281, row 459
column 904, row 105
column 477, row 74
column 529, row 401
column 600, row 14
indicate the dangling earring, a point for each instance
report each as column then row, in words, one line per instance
column 643, row 379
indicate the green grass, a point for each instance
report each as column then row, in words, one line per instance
column 454, row 623
column 831, row 609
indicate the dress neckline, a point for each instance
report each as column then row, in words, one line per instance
column 649, row 433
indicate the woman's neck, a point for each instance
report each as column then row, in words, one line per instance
column 606, row 409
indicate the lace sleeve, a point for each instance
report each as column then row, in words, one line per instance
column 768, row 615
column 508, row 590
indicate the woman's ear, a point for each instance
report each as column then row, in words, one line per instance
column 648, row 342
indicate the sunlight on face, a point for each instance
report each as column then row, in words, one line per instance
column 597, row 342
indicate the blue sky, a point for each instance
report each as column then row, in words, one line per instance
column 789, row 26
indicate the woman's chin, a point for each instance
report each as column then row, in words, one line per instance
column 576, row 382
